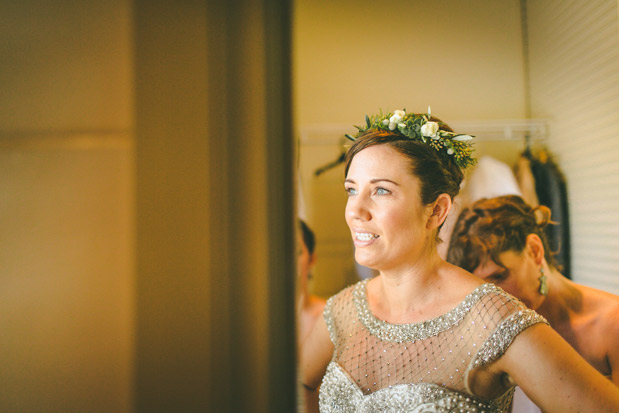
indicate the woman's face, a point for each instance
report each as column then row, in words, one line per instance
column 305, row 260
column 384, row 212
column 519, row 276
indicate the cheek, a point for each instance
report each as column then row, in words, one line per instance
column 302, row 268
column 299, row 265
column 303, row 258
column 394, row 215
column 517, row 285
column 406, row 223
column 511, row 286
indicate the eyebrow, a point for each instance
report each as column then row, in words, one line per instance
column 373, row 181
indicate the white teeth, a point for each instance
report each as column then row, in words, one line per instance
column 365, row 236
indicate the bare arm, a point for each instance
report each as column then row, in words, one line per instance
column 316, row 352
column 554, row 375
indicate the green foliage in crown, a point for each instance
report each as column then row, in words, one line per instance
column 420, row 128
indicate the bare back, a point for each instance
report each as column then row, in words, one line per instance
column 592, row 328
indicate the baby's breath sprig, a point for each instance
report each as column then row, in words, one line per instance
column 419, row 127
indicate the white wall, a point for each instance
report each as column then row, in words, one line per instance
column 574, row 66
column 356, row 57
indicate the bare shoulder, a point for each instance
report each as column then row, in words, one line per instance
column 610, row 311
column 606, row 308
column 609, row 320
column 601, row 318
column 461, row 278
column 603, row 309
column 460, row 282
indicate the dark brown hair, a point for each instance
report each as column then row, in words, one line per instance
column 492, row 226
column 308, row 236
column 437, row 172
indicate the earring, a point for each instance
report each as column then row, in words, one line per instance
column 543, row 285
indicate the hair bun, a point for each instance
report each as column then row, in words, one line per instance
column 542, row 215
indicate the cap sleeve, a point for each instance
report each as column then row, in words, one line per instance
column 338, row 312
column 327, row 313
column 501, row 338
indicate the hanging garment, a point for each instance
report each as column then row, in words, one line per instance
column 489, row 179
column 526, row 181
column 551, row 190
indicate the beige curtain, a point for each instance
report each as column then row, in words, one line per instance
column 215, row 246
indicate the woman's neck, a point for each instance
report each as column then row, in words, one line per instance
column 563, row 301
column 404, row 292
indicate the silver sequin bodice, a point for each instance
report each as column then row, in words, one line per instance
column 421, row 367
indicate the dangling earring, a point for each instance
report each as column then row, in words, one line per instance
column 543, row 285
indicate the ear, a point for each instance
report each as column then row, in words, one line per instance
column 440, row 209
column 535, row 247
column 312, row 259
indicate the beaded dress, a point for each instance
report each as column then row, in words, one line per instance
column 421, row 367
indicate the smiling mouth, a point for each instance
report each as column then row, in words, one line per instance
column 365, row 236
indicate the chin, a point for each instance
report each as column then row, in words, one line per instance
column 366, row 262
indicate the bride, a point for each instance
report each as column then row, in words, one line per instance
column 425, row 335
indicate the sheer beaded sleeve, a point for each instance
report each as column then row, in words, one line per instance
column 334, row 309
column 517, row 320
column 328, row 316
column 506, row 332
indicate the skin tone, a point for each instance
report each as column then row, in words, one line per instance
column 310, row 306
column 588, row 319
column 395, row 234
column 384, row 205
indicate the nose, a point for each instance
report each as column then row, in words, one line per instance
column 357, row 208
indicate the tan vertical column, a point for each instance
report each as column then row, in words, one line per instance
column 215, row 257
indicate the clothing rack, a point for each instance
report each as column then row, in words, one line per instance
column 506, row 129
column 525, row 130
column 528, row 131
column 330, row 165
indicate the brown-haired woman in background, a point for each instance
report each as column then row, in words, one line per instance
column 310, row 306
column 502, row 240
column 425, row 335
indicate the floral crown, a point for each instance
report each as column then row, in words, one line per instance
column 419, row 127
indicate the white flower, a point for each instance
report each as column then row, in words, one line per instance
column 395, row 119
column 429, row 129
column 462, row 138
column 450, row 151
column 398, row 116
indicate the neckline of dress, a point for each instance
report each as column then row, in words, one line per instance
column 419, row 330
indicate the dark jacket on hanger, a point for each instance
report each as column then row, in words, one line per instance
column 551, row 190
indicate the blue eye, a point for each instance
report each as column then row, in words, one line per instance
column 382, row 191
column 351, row 191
